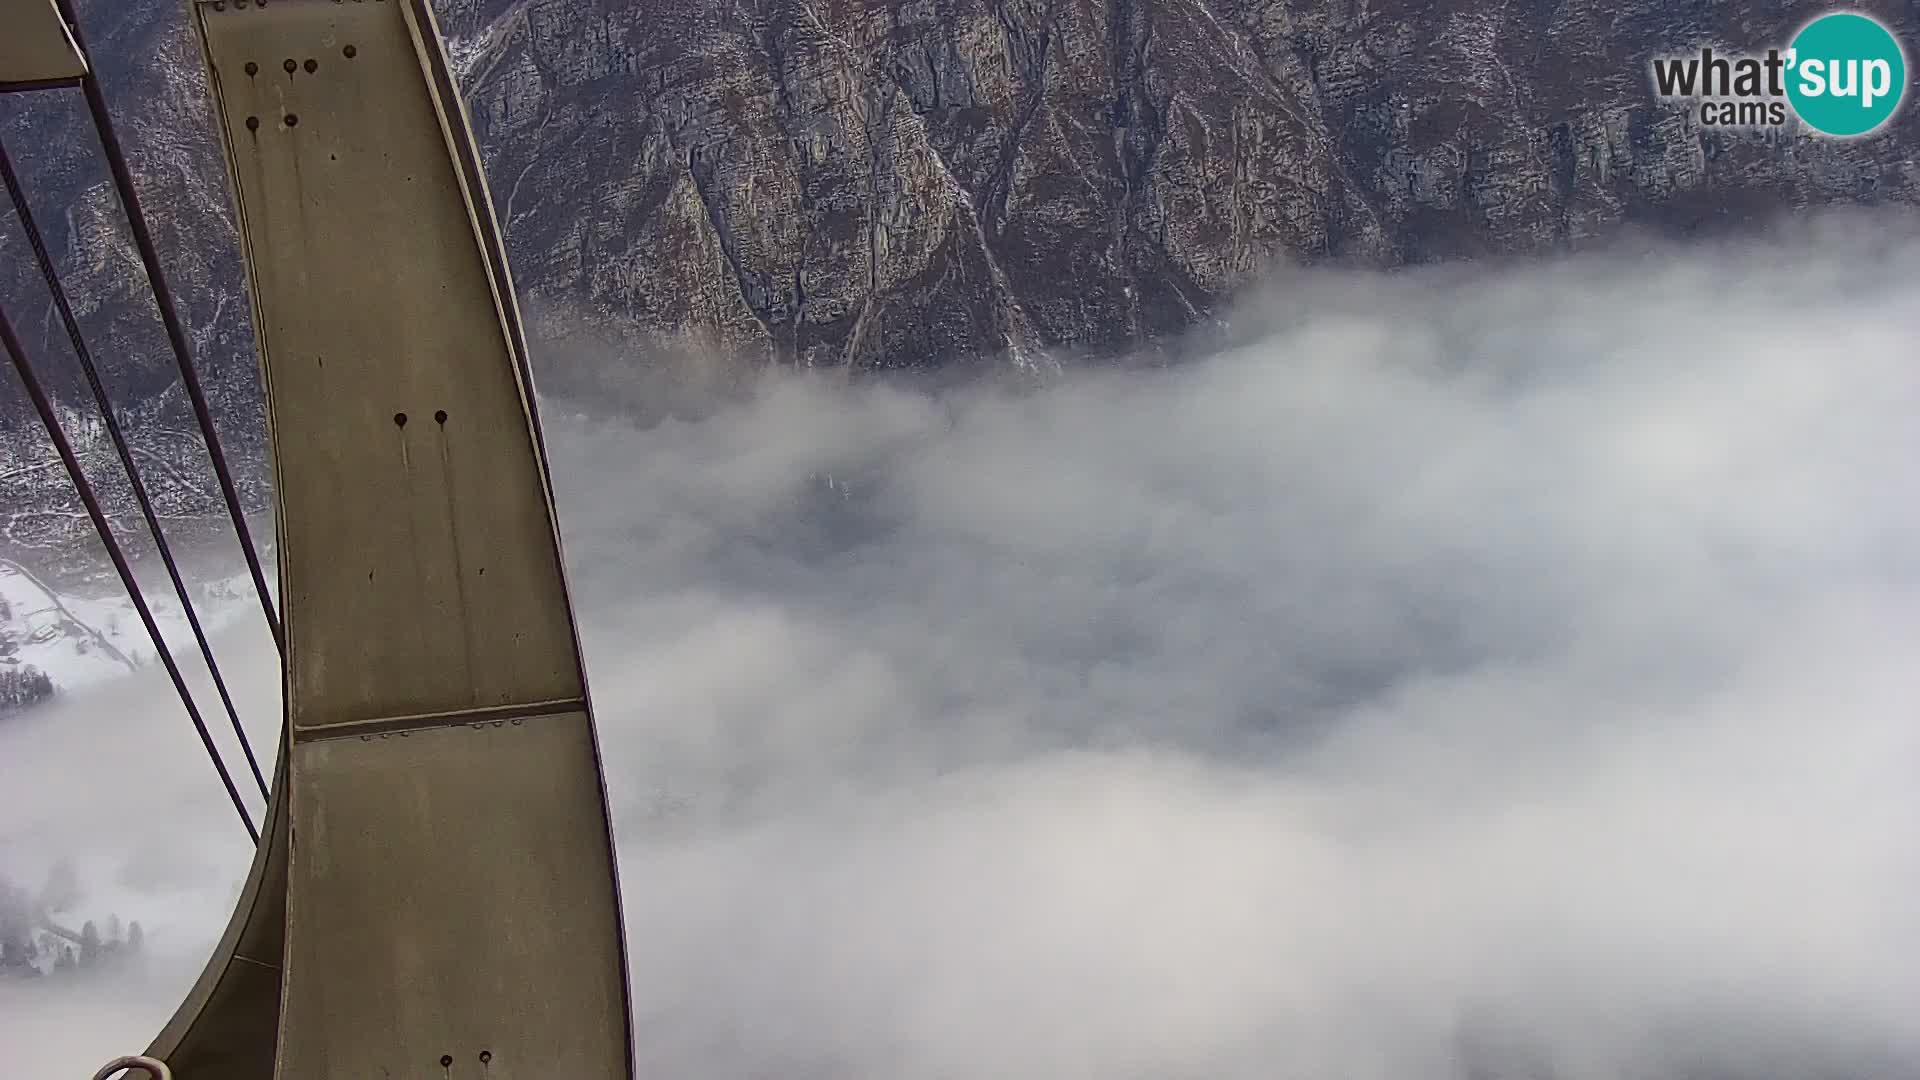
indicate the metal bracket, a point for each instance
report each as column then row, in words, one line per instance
column 37, row 52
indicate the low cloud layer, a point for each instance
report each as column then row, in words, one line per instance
column 1477, row 673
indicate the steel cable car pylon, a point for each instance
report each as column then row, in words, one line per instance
column 436, row 893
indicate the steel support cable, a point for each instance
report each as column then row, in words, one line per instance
column 44, row 406
column 169, row 317
column 25, row 215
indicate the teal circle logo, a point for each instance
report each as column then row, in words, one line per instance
column 1846, row 74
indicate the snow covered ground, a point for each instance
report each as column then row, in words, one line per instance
column 83, row 640
column 108, row 780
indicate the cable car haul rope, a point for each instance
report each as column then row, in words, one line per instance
column 60, row 63
column 43, row 405
column 101, row 400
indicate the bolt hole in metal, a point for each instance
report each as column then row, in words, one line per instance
column 253, row 123
column 312, row 65
column 292, row 120
column 349, row 52
column 252, row 69
column 289, row 65
column 446, row 1061
column 440, row 417
column 399, row 419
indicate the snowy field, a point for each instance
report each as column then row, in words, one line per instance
column 82, row 640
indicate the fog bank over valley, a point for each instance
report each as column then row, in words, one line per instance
column 1482, row 672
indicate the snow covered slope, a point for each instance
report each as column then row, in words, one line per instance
column 78, row 641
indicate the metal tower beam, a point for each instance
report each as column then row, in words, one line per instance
column 450, row 901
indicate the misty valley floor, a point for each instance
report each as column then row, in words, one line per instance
column 1480, row 673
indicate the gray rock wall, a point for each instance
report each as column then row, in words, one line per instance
column 879, row 184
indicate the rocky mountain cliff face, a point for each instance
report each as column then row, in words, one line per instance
column 879, row 184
